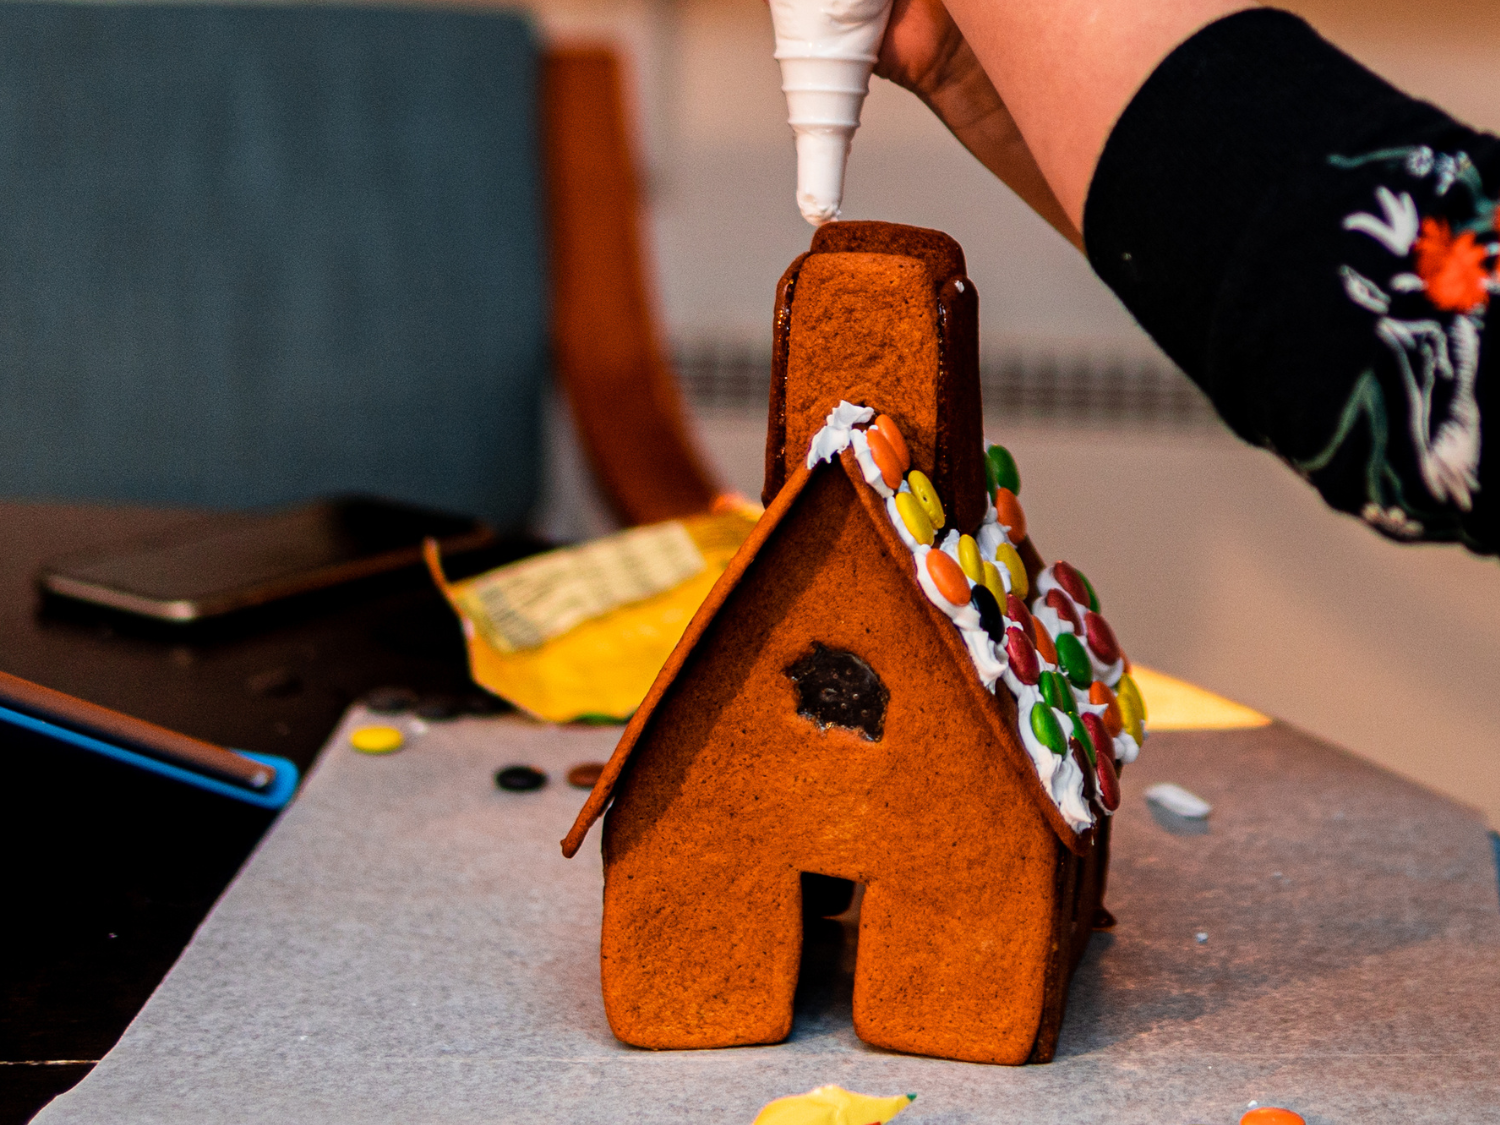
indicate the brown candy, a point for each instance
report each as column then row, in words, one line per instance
column 1065, row 609
column 1071, row 581
column 1101, row 637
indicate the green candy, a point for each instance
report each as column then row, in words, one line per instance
column 1089, row 586
column 1056, row 692
column 1047, row 730
column 1000, row 469
column 1081, row 733
column 1074, row 661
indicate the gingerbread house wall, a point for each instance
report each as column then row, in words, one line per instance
column 729, row 794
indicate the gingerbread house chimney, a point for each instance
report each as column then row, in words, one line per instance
column 881, row 315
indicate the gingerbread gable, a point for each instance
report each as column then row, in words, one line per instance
column 880, row 550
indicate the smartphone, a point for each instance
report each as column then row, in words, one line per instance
column 230, row 561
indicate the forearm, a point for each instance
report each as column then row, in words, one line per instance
column 1066, row 70
column 975, row 115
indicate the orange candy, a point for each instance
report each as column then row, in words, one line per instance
column 1271, row 1115
column 1008, row 511
column 1043, row 640
column 1099, row 693
column 892, row 434
column 948, row 577
column 886, row 459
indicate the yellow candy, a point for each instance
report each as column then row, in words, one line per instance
column 927, row 496
column 1132, row 709
column 832, row 1105
column 918, row 526
column 1127, row 684
column 1006, row 556
column 968, row 558
column 376, row 740
column 992, row 582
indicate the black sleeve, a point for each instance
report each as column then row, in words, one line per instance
column 1317, row 251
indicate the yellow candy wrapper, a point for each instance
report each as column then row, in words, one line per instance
column 832, row 1105
column 581, row 632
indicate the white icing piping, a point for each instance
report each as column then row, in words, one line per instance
column 834, row 437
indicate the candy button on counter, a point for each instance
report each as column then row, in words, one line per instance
column 520, row 779
column 585, row 775
column 970, row 559
column 1005, row 555
column 887, row 428
column 1008, row 512
column 926, row 496
column 1271, row 1115
column 948, row 577
column 918, row 526
column 376, row 740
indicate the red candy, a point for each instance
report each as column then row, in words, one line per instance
column 1109, row 782
column 1098, row 734
column 1101, row 638
column 1064, row 608
column 1022, row 656
column 1016, row 610
column 1071, row 581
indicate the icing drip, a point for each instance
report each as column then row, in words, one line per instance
column 836, row 433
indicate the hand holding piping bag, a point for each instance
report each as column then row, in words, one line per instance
column 916, row 45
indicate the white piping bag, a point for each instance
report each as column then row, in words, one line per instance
column 827, row 50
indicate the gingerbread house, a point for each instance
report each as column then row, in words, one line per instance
column 866, row 697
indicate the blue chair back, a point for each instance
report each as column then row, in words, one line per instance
column 252, row 254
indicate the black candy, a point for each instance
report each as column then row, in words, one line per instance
column 990, row 618
column 520, row 779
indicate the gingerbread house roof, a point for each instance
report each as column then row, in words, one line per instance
column 998, row 709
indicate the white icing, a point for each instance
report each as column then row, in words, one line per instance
column 827, row 50
column 873, row 476
column 834, row 437
column 1126, row 748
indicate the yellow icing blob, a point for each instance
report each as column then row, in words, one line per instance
column 832, row 1105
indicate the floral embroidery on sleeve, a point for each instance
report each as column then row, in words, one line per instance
column 1428, row 306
